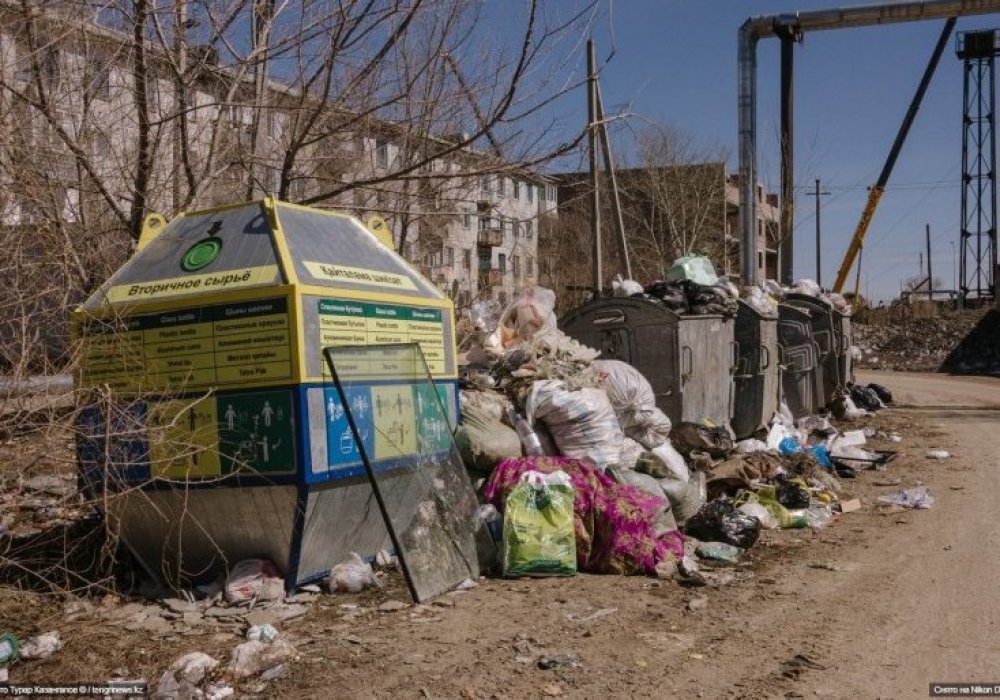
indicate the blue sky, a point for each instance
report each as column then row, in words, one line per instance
column 675, row 63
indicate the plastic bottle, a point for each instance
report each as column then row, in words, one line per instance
column 818, row 516
column 8, row 648
column 493, row 521
column 529, row 438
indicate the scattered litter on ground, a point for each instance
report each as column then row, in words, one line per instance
column 918, row 497
column 551, row 662
column 850, row 506
column 254, row 579
column 41, row 646
column 719, row 551
column 253, row 658
column 603, row 612
column 352, row 575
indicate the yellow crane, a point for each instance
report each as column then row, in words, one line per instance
column 876, row 191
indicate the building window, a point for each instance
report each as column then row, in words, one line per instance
column 529, row 266
column 466, row 220
column 153, row 102
column 22, row 66
column 101, row 147
column 467, row 258
column 381, row 153
column 530, row 190
column 485, row 259
column 100, row 84
column 501, row 184
column 485, row 185
column 484, row 223
column 502, row 263
column 760, row 260
column 515, row 265
column 517, row 189
column 529, row 229
column 449, row 256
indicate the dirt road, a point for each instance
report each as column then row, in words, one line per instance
column 881, row 604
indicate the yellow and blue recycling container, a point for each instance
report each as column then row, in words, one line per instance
column 214, row 432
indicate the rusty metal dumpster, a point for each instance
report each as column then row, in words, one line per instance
column 688, row 359
column 756, row 378
column 801, row 373
column 827, row 334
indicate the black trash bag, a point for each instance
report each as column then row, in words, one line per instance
column 670, row 293
column 882, row 392
column 690, row 437
column 709, row 300
column 791, row 495
column 865, row 398
column 720, row 521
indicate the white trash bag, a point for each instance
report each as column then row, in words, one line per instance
column 634, row 402
column 352, row 575
column 254, row 579
column 582, row 423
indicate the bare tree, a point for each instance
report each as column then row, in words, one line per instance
column 674, row 203
column 164, row 105
column 677, row 200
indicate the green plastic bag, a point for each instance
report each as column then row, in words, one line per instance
column 767, row 497
column 538, row 534
column 696, row 268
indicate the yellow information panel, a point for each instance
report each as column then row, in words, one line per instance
column 184, row 439
column 358, row 275
column 370, row 323
column 395, row 420
column 224, row 281
column 238, row 343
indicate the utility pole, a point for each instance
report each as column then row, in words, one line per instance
column 930, row 271
column 819, row 258
column 595, row 197
column 609, row 166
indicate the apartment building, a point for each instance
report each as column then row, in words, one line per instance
column 669, row 211
column 84, row 133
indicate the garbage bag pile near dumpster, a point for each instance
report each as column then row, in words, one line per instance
column 678, row 333
column 649, row 496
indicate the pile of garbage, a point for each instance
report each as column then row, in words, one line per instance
column 962, row 343
column 691, row 286
column 579, row 470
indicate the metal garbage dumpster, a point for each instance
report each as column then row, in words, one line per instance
column 756, row 378
column 688, row 359
column 826, row 333
column 842, row 330
column 215, row 430
column 801, row 373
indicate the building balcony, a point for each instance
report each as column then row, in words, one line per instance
column 490, row 278
column 490, row 237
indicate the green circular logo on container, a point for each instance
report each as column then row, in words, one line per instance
column 201, row 254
